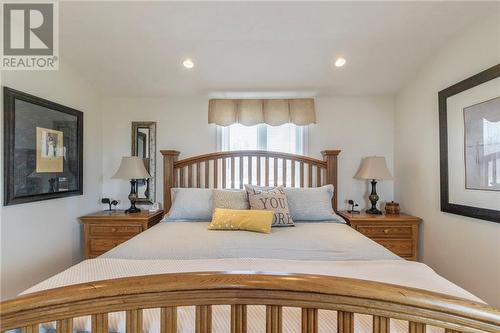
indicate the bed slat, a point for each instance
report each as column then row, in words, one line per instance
column 241, row 172
column 274, row 323
column 181, row 177
column 301, row 174
column 275, row 171
column 266, row 172
column 99, row 323
column 134, row 321
column 29, row 329
column 203, row 319
column 258, row 170
column 216, row 173
column 309, row 175
column 318, row 177
column 293, row 173
column 224, row 167
column 250, row 162
column 233, row 167
column 207, row 174
column 381, row 324
column 309, row 320
column 345, row 322
column 64, row 326
column 238, row 318
column 284, row 171
column 416, row 327
column 168, row 320
column 198, row 175
column 190, row 175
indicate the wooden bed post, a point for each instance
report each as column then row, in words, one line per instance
column 169, row 158
column 330, row 157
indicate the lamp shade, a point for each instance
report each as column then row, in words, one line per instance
column 131, row 168
column 373, row 167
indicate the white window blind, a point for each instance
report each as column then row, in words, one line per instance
column 287, row 138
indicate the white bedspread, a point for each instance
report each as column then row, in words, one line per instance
column 305, row 241
column 311, row 248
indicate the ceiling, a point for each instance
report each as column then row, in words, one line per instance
column 136, row 49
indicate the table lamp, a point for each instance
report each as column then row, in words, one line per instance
column 374, row 168
column 132, row 168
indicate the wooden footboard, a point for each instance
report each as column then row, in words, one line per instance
column 275, row 291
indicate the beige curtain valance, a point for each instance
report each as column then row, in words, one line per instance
column 248, row 112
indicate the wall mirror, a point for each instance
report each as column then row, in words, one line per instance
column 144, row 146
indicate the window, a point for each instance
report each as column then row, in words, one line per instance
column 287, row 138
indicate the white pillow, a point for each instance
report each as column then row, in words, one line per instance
column 311, row 203
column 191, row 204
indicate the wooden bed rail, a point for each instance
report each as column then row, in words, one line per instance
column 204, row 289
column 232, row 169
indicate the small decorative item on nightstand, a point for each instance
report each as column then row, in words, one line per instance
column 154, row 207
column 392, row 208
column 374, row 168
column 132, row 168
column 109, row 202
column 353, row 205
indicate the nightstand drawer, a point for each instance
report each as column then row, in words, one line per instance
column 114, row 230
column 392, row 231
column 401, row 247
column 101, row 245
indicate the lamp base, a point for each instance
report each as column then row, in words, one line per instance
column 132, row 209
column 373, row 199
column 373, row 211
column 132, row 196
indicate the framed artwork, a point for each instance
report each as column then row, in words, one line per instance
column 43, row 149
column 469, row 138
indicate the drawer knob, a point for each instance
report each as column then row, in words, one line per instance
column 113, row 229
column 386, row 231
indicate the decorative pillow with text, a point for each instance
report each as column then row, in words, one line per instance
column 273, row 199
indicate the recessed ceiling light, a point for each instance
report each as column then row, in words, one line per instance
column 188, row 63
column 340, row 62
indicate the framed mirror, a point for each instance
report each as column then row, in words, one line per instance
column 144, row 146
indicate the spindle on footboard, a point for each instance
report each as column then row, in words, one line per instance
column 233, row 169
column 203, row 290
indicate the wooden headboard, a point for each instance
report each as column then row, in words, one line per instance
column 233, row 169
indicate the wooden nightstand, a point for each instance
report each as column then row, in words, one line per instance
column 398, row 233
column 104, row 230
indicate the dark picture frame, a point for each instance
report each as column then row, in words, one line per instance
column 71, row 162
column 443, row 95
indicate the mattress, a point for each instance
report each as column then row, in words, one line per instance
column 311, row 248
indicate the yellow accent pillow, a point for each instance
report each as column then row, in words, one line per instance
column 250, row 220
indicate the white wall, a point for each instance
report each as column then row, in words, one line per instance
column 464, row 250
column 43, row 238
column 359, row 126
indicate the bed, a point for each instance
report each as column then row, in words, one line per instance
column 314, row 277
